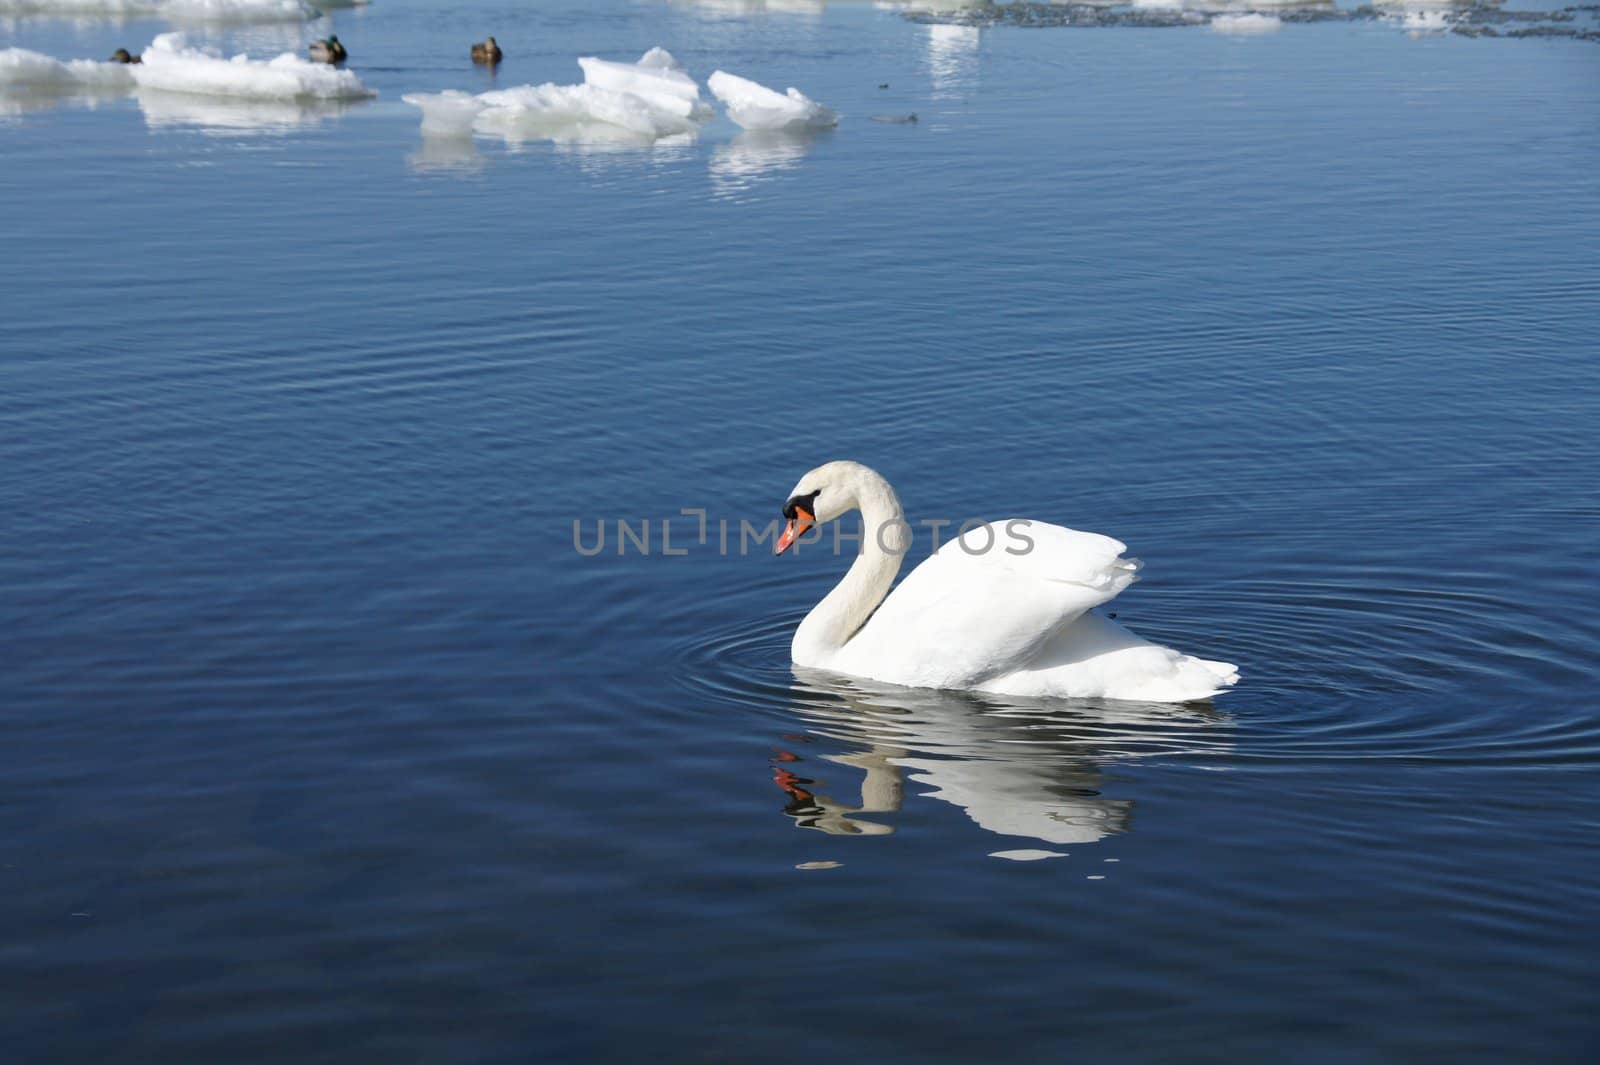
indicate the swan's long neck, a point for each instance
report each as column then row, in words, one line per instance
column 843, row 611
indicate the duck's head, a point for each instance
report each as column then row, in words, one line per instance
column 121, row 55
column 490, row 42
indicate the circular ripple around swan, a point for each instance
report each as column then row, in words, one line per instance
column 1338, row 669
column 1372, row 667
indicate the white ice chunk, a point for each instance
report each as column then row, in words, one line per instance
column 656, row 78
column 660, row 59
column 1426, row 21
column 647, row 116
column 1234, row 7
column 449, row 112
column 1418, row 17
column 34, row 72
column 756, row 107
column 1246, row 24
column 174, row 10
column 170, row 65
column 628, row 104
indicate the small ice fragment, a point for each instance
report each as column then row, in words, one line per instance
column 1243, row 25
column 819, row 865
column 1026, row 855
column 756, row 107
column 896, row 119
column 1097, row 877
column 1112, row 859
column 660, row 59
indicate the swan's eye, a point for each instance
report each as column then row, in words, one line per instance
column 808, row 502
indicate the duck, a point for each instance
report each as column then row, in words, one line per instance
column 1006, row 607
column 328, row 51
column 488, row 52
column 122, row 55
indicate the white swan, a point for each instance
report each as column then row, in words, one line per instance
column 1003, row 608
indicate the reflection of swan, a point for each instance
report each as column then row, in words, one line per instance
column 1002, row 608
column 1015, row 769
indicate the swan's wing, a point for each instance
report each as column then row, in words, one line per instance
column 982, row 605
column 1095, row 658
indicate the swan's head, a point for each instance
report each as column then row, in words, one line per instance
column 830, row 491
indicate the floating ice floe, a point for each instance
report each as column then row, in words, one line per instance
column 1425, row 21
column 171, row 10
column 625, row 103
column 1246, row 24
column 1418, row 17
column 756, row 107
column 170, row 65
column 241, row 90
column 1234, row 7
column 22, row 71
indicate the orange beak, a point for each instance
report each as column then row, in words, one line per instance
column 798, row 526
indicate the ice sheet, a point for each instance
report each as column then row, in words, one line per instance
column 756, row 107
column 170, row 65
column 448, row 112
column 1235, row 7
column 172, row 10
column 1246, row 24
column 656, row 78
column 630, row 104
column 34, row 72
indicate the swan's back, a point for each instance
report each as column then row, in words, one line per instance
column 983, row 605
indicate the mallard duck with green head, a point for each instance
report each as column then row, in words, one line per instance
column 328, row 51
column 488, row 52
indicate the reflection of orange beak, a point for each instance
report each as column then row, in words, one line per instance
column 797, row 527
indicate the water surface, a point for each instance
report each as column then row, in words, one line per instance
column 321, row 742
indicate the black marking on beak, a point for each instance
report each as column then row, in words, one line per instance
column 807, row 502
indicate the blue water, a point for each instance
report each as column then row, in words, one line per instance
column 320, row 742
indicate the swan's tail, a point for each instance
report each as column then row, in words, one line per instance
column 1223, row 674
